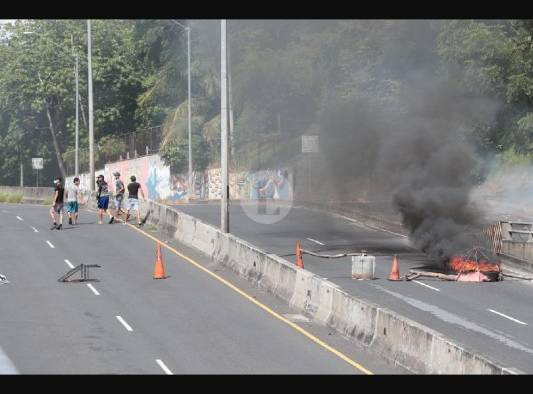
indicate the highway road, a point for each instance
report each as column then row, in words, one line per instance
column 192, row 322
column 494, row 319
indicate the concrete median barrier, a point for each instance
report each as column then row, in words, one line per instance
column 403, row 341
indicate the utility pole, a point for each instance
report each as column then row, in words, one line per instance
column 21, row 175
column 76, row 71
column 230, row 103
column 77, row 120
column 224, row 217
column 189, row 107
column 91, row 131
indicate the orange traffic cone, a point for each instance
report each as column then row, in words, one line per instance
column 299, row 260
column 395, row 269
column 159, row 268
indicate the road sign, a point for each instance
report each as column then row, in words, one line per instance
column 310, row 143
column 37, row 163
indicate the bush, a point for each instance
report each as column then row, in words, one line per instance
column 48, row 200
column 14, row 198
column 3, row 197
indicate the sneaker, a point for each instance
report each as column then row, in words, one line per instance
column 112, row 219
column 70, row 221
column 59, row 227
column 53, row 226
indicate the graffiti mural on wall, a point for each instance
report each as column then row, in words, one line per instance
column 251, row 185
column 268, row 184
column 159, row 184
column 152, row 174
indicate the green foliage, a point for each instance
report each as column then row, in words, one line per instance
column 111, row 147
column 510, row 158
column 175, row 154
column 14, row 198
column 282, row 74
column 48, row 200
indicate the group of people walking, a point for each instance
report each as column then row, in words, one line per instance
column 74, row 197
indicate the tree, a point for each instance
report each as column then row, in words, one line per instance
column 175, row 154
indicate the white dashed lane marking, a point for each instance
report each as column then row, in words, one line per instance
column 423, row 284
column 19, row 218
column 50, row 244
column 164, row 367
column 121, row 320
column 34, row 229
column 93, row 289
column 507, row 317
column 315, row 241
column 69, row 263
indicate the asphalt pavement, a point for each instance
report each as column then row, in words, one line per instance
column 494, row 319
column 125, row 322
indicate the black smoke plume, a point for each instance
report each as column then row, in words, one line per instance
column 418, row 154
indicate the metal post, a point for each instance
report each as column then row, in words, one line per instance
column 189, row 106
column 91, row 131
column 230, row 102
column 21, row 175
column 224, row 218
column 75, row 54
column 308, row 174
column 76, row 162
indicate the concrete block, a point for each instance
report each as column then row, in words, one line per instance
column 352, row 317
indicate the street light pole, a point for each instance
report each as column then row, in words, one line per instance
column 224, row 217
column 76, row 163
column 91, row 131
column 189, row 107
column 75, row 53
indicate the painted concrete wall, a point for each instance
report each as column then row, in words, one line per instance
column 160, row 185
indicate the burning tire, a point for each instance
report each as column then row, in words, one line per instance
column 476, row 265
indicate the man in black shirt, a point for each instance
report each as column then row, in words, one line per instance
column 57, row 204
column 133, row 198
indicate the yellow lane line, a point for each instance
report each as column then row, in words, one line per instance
column 259, row 304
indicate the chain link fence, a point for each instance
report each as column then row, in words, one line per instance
column 113, row 148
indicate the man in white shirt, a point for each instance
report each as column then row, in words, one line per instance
column 73, row 194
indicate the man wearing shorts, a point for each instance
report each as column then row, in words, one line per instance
column 73, row 193
column 133, row 198
column 102, row 196
column 119, row 196
column 57, row 204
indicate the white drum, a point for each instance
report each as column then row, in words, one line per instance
column 363, row 267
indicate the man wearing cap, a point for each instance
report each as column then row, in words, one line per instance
column 57, row 204
column 102, row 196
column 119, row 196
column 133, row 198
